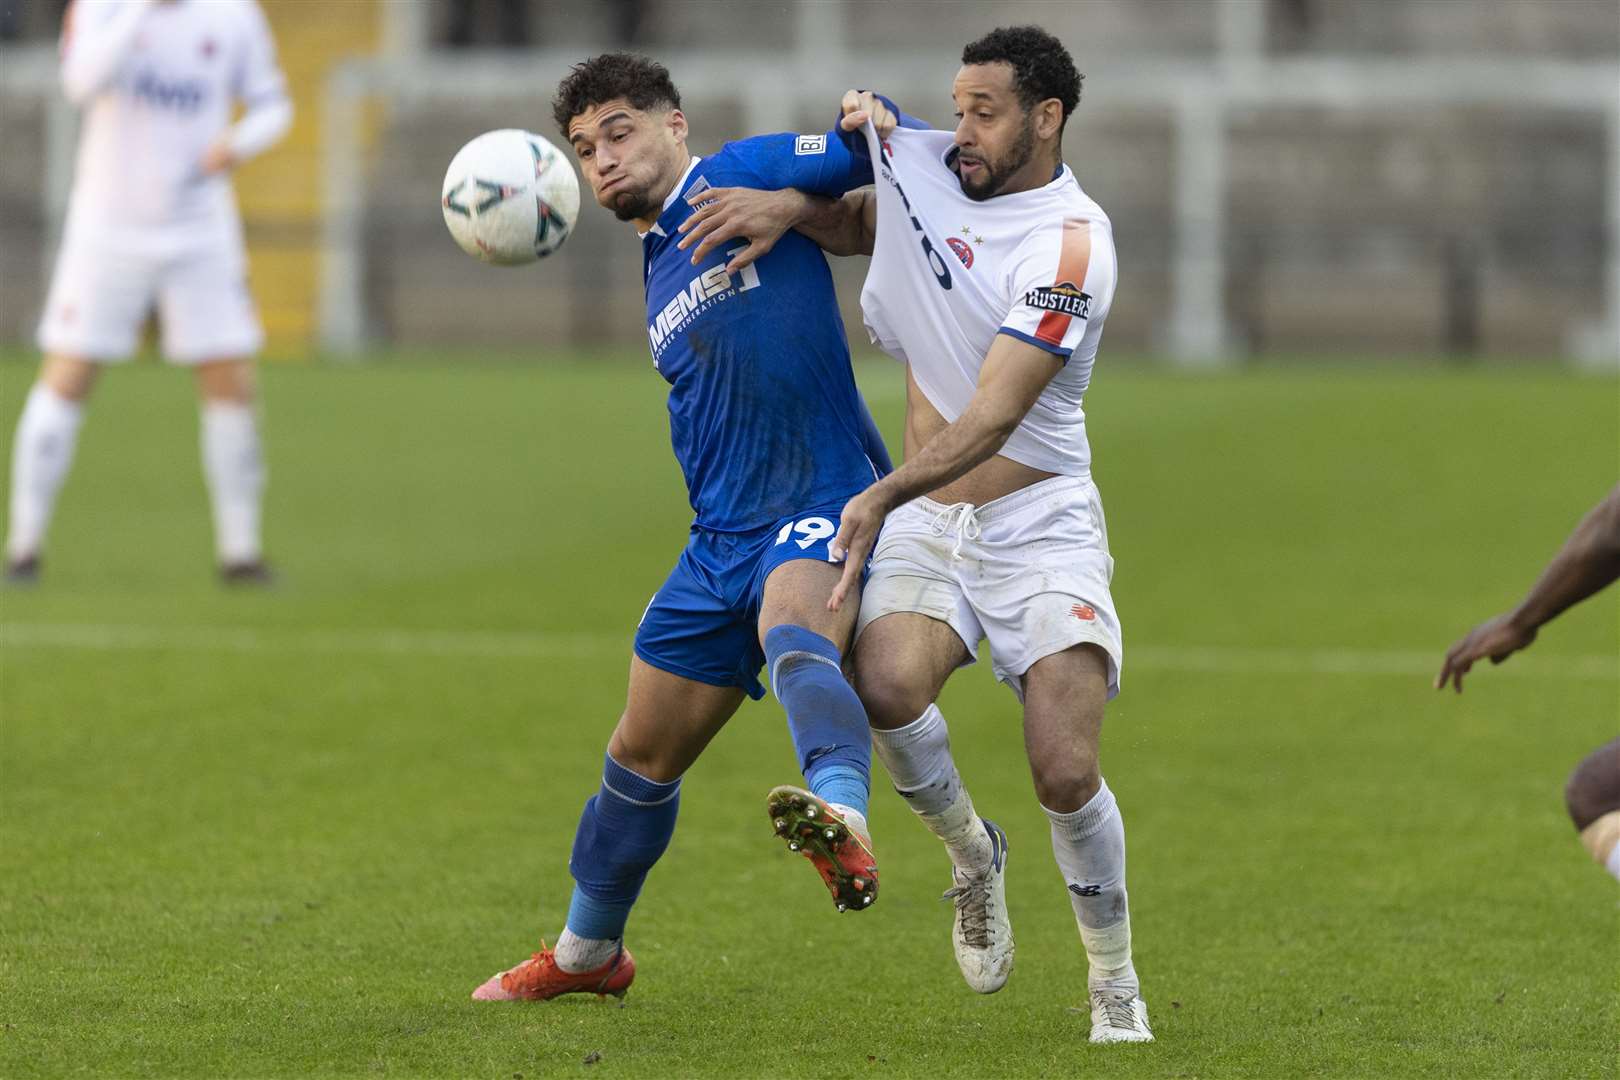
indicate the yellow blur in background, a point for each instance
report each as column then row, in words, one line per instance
column 280, row 192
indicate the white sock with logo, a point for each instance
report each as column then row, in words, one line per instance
column 918, row 757
column 234, row 467
column 41, row 454
column 1089, row 844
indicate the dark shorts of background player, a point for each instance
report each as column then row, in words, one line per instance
column 703, row 623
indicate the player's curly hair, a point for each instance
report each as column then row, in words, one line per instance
column 1042, row 67
column 643, row 82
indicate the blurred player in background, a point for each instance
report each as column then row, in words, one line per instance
column 773, row 439
column 991, row 276
column 152, row 221
column 1588, row 562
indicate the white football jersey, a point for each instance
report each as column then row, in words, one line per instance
column 948, row 274
column 157, row 82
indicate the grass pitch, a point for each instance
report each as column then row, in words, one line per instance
column 286, row 833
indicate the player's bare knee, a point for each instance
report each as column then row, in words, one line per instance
column 891, row 700
column 226, row 382
column 1593, row 789
column 1066, row 786
column 69, row 377
column 652, row 760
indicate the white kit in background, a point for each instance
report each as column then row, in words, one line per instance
column 146, row 227
column 149, row 227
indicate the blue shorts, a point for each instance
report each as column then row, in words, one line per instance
column 703, row 623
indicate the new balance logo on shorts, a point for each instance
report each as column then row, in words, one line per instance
column 1083, row 612
column 1085, row 890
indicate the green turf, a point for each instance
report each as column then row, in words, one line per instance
column 287, row 833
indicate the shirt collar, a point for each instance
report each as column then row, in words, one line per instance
column 674, row 193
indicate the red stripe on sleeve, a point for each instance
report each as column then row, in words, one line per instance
column 1074, row 259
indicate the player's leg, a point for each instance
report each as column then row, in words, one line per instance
column 41, row 455
column 693, row 665
column 804, row 646
column 915, row 628
column 1064, row 694
column 209, row 322
column 233, row 466
column 1593, row 798
column 902, row 660
column 622, row 832
column 1055, row 639
column 93, row 313
column 667, row 722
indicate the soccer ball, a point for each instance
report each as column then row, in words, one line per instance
column 510, row 197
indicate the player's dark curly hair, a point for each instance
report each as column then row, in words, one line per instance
column 643, row 82
column 1042, row 67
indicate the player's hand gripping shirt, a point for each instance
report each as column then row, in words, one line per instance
column 764, row 413
column 157, row 83
column 948, row 274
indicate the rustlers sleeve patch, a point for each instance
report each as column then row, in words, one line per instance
column 1064, row 297
column 810, row 144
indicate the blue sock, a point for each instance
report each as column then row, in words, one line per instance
column 825, row 717
column 625, row 828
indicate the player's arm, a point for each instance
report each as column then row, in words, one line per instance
column 268, row 111
column 95, row 41
column 1588, row 561
column 840, row 226
column 1010, row 382
column 808, row 191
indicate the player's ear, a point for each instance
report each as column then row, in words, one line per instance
column 1048, row 119
column 676, row 121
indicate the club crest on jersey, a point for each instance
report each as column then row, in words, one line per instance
column 1064, row 297
column 962, row 250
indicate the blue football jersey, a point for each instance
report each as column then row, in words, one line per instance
column 764, row 413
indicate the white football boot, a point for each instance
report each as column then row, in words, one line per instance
column 1119, row 1016
column 982, row 934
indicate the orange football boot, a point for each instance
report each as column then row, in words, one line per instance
column 840, row 855
column 539, row 978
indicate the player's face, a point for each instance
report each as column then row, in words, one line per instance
column 629, row 157
column 995, row 135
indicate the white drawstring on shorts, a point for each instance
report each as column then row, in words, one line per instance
column 962, row 518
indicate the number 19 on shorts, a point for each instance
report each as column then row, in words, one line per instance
column 807, row 531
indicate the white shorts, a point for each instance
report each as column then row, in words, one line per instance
column 101, row 295
column 1029, row 571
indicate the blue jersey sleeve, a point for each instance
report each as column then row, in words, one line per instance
column 820, row 164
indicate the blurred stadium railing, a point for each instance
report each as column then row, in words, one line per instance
column 1286, row 176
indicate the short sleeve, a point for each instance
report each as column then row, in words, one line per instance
column 1061, row 284
column 259, row 79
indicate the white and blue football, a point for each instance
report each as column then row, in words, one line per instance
column 510, row 197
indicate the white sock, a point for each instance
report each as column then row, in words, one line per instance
column 234, row 468
column 1089, row 844
column 41, row 454
column 918, row 757
column 576, row 954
